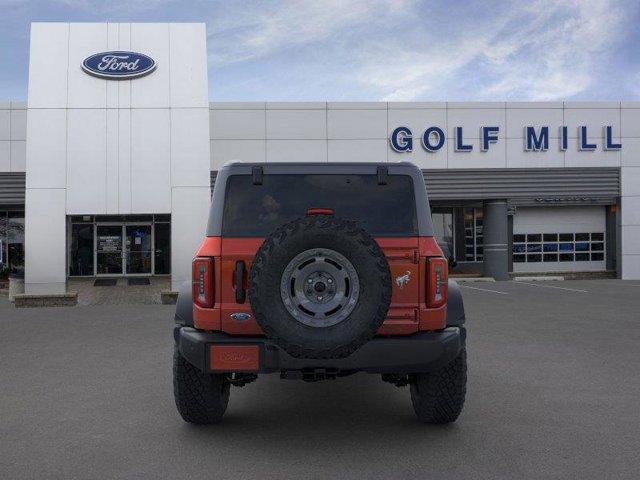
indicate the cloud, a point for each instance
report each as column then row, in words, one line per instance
column 261, row 29
column 409, row 50
column 548, row 50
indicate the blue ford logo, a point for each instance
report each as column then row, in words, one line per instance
column 118, row 65
column 240, row 316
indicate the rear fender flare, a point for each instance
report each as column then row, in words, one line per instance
column 184, row 306
column 455, row 305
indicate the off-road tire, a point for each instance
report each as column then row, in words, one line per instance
column 438, row 397
column 374, row 277
column 201, row 398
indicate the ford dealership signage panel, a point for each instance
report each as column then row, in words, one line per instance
column 118, row 65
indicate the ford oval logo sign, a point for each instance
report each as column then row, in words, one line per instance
column 118, row 65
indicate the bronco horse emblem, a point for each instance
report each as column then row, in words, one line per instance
column 402, row 280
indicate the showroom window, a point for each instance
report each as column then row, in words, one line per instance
column 473, row 239
column 115, row 245
column 11, row 242
column 443, row 229
column 558, row 247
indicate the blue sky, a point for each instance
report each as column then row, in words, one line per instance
column 363, row 50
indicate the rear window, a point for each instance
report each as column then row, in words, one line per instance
column 382, row 210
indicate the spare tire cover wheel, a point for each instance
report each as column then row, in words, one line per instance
column 320, row 287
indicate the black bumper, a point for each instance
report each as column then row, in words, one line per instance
column 420, row 352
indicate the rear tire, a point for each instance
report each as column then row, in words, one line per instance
column 200, row 398
column 438, row 397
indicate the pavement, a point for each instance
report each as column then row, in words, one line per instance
column 85, row 392
column 119, row 294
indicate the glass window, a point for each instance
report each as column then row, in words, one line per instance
column 443, row 230
column 81, row 251
column 566, row 247
column 15, row 241
column 82, row 219
column 582, row 246
column 110, row 218
column 473, row 222
column 4, row 266
column 534, row 258
column 519, row 258
column 109, row 249
column 163, row 248
column 517, row 238
column 257, row 210
column 567, row 250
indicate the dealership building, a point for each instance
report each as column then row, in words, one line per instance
column 107, row 168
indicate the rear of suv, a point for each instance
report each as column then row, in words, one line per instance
column 317, row 271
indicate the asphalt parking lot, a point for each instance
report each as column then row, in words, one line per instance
column 554, row 392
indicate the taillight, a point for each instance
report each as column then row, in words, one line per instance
column 437, row 282
column 202, row 272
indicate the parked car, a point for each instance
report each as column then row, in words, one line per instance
column 318, row 271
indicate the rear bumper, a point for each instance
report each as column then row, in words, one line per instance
column 420, row 352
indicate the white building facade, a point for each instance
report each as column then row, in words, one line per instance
column 118, row 171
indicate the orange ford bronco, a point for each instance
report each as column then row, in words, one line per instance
column 317, row 271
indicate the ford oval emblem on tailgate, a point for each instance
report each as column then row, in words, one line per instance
column 240, row 316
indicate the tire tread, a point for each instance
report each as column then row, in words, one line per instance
column 200, row 398
column 438, row 397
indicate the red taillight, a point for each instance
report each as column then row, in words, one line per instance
column 437, row 282
column 320, row 211
column 203, row 281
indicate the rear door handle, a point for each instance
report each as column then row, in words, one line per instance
column 241, row 295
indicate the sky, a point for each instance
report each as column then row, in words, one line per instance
column 377, row 50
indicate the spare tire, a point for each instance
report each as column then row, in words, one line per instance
column 320, row 287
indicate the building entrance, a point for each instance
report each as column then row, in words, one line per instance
column 134, row 245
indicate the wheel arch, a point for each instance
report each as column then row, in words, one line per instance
column 455, row 305
column 184, row 306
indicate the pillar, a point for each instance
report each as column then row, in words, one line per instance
column 495, row 238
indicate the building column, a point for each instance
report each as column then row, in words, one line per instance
column 45, row 241
column 495, row 240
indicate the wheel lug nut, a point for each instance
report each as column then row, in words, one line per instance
column 329, row 280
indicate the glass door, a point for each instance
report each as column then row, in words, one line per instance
column 109, row 249
column 139, row 249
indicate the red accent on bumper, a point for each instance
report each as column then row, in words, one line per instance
column 234, row 358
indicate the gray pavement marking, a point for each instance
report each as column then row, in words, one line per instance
column 484, row 289
column 552, row 286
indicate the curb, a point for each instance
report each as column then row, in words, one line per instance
column 538, row 279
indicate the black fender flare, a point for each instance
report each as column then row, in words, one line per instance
column 184, row 306
column 455, row 305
